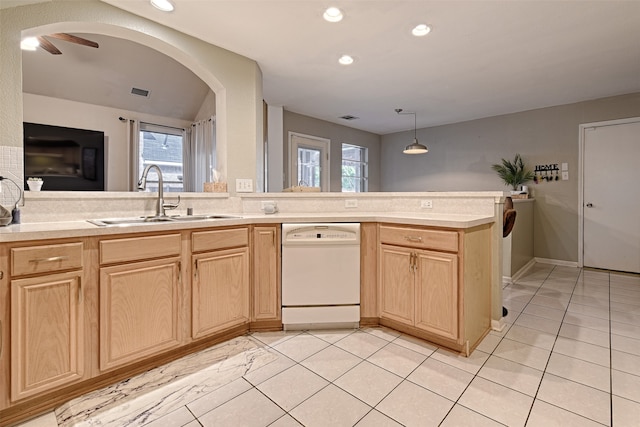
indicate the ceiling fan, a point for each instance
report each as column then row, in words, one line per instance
column 49, row 47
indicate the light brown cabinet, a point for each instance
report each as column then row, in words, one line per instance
column 435, row 284
column 47, row 318
column 139, row 299
column 220, row 281
column 266, row 300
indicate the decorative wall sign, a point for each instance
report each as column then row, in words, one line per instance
column 549, row 172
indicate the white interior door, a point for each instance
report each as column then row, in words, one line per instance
column 611, row 197
column 309, row 161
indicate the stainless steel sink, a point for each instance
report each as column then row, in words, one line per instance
column 123, row 222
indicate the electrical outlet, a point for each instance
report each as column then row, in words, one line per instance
column 565, row 175
column 244, row 185
column 426, row 204
column 351, row 203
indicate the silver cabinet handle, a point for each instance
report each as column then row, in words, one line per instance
column 50, row 259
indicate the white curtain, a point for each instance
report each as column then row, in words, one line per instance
column 133, row 137
column 199, row 154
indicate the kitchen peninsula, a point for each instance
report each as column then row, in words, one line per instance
column 131, row 298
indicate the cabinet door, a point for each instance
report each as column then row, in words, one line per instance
column 138, row 310
column 220, row 294
column 437, row 293
column 266, row 285
column 46, row 333
column 396, row 284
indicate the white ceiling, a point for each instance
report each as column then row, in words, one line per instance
column 106, row 75
column 483, row 58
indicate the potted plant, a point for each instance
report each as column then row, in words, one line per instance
column 34, row 183
column 513, row 173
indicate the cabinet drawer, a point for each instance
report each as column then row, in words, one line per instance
column 420, row 238
column 47, row 258
column 219, row 239
column 138, row 248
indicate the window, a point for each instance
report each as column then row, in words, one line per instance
column 355, row 169
column 162, row 146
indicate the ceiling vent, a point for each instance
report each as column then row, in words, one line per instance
column 140, row 92
column 349, row 117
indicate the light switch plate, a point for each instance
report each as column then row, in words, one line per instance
column 244, row 185
column 565, row 175
column 426, row 204
column 351, row 203
column 565, row 166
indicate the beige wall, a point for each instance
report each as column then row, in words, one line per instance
column 338, row 134
column 461, row 154
column 236, row 80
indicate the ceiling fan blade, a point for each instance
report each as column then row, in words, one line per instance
column 74, row 39
column 48, row 46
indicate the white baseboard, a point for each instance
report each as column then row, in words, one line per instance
column 557, row 262
column 497, row 325
column 508, row 280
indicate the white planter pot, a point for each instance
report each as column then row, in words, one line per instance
column 35, row 185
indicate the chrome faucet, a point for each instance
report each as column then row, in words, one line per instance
column 161, row 205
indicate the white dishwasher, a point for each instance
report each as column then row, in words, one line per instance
column 320, row 275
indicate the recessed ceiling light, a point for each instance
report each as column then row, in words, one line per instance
column 163, row 5
column 345, row 60
column 421, row 30
column 333, row 14
column 29, row 43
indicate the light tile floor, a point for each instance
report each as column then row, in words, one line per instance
column 569, row 355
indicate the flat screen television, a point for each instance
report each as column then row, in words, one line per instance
column 65, row 158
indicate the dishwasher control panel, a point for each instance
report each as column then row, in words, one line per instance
column 315, row 233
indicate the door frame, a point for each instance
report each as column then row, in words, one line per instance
column 325, row 177
column 583, row 128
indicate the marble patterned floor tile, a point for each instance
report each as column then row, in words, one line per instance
column 412, row 405
column 178, row 418
column 497, row 402
column 331, row 406
column 44, row 420
column 274, row 337
column 257, row 375
column 250, row 409
column 160, row 391
column 218, row 397
column 368, row 382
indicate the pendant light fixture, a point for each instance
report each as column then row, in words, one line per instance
column 415, row 147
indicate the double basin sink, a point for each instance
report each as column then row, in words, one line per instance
column 121, row 222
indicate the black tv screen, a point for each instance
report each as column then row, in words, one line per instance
column 65, row 158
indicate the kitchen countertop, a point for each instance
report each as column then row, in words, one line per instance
column 65, row 229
